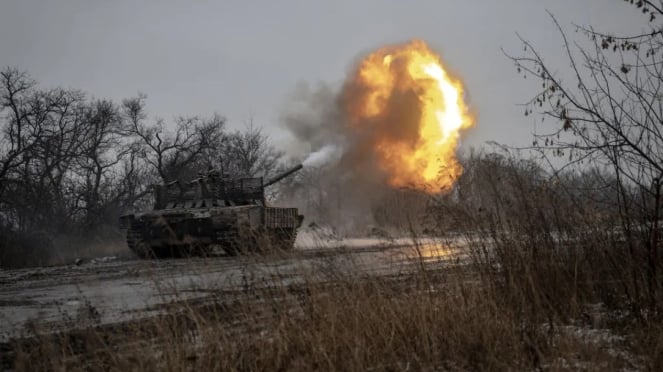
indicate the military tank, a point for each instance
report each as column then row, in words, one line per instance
column 209, row 212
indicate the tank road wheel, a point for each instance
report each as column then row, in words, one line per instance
column 283, row 239
column 138, row 245
column 272, row 240
column 290, row 237
column 168, row 251
column 184, row 250
column 232, row 243
column 144, row 250
column 240, row 245
column 202, row 250
column 237, row 247
column 231, row 248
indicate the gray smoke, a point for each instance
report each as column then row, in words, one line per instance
column 340, row 184
column 323, row 156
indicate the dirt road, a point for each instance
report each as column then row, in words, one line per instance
column 109, row 290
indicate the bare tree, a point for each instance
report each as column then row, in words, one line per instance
column 102, row 150
column 246, row 153
column 608, row 109
column 170, row 153
column 42, row 136
column 20, row 127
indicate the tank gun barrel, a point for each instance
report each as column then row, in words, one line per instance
column 283, row 175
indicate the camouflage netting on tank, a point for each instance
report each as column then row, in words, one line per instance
column 281, row 218
column 227, row 191
column 240, row 190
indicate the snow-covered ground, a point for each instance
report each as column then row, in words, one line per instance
column 108, row 290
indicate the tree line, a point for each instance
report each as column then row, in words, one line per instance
column 70, row 163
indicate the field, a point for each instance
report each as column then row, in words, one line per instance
column 362, row 304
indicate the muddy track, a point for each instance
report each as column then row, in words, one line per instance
column 109, row 291
column 224, row 306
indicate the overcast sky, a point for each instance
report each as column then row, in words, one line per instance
column 243, row 58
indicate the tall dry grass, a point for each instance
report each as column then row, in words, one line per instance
column 444, row 318
column 551, row 284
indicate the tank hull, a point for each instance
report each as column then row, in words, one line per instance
column 236, row 230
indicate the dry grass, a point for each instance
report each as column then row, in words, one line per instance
column 435, row 318
column 548, row 287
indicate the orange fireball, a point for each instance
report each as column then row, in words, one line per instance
column 409, row 110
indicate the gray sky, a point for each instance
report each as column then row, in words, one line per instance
column 243, row 58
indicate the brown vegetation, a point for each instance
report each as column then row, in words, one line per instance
column 548, row 286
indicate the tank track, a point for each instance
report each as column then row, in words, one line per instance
column 263, row 242
column 283, row 240
column 275, row 240
column 137, row 244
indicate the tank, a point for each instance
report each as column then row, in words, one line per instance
column 209, row 212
